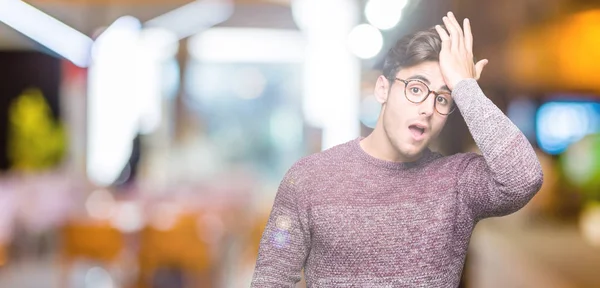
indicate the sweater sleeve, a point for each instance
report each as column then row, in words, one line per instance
column 285, row 242
column 508, row 174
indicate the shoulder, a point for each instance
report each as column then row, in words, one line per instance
column 318, row 162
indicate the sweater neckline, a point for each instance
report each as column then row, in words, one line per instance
column 425, row 157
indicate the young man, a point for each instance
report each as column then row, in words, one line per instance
column 385, row 211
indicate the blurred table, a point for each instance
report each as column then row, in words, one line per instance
column 508, row 253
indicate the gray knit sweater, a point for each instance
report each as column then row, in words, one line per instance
column 351, row 220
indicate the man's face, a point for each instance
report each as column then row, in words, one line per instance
column 410, row 127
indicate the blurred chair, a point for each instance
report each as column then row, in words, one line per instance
column 256, row 234
column 3, row 254
column 178, row 250
column 93, row 240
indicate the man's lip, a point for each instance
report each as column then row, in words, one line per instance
column 420, row 126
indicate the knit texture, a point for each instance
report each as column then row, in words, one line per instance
column 351, row 220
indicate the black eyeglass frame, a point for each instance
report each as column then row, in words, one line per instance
column 429, row 92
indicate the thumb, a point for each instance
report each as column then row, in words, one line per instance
column 479, row 67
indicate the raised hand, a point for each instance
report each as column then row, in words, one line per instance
column 456, row 57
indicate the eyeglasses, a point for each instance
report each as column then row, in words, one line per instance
column 416, row 91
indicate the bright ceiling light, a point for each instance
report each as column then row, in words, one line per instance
column 365, row 41
column 49, row 32
column 113, row 112
column 384, row 14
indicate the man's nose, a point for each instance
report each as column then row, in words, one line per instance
column 428, row 106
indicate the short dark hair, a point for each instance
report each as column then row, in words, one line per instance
column 412, row 49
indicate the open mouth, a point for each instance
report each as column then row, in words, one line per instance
column 417, row 131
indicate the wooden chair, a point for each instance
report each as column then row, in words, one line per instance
column 95, row 241
column 180, row 247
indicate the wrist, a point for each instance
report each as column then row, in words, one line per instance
column 456, row 81
column 463, row 88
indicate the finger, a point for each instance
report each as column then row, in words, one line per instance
column 468, row 35
column 455, row 23
column 454, row 38
column 444, row 37
column 479, row 67
column 458, row 29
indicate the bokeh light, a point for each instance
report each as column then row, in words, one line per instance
column 365, row 41
column 100, row 204
column 369, row 111
column 384, row 14
column 560, row 124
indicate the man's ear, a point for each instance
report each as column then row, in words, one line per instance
column 382, row 89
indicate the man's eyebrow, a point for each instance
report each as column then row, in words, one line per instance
column 445, row 87
column 420, row 77
column 424, row 79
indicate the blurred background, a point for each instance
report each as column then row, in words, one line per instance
column 142, row 141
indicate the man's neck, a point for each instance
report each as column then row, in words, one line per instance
column 378, row 145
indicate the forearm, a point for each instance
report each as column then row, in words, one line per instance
column 508, row 154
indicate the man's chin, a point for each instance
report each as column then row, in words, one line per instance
column 411, row 152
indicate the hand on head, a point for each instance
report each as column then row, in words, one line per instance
column 456, row 57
